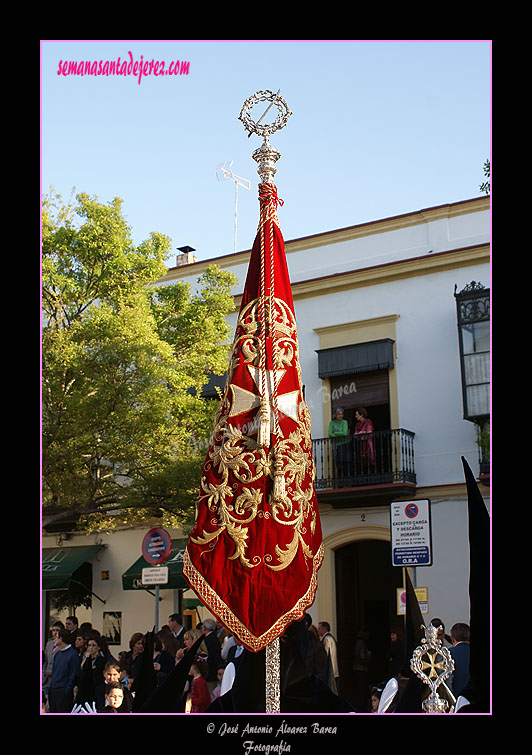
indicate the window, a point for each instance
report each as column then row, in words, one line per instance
column 358, row 376
column 473, row 312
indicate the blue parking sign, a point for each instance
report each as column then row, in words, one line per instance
column 156, row 546
column 410, row 529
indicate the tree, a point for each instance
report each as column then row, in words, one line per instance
column 123, row 364
column 485, row 186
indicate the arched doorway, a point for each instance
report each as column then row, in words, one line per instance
column 366, row 585
column 357, row 584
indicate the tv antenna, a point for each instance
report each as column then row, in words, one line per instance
column 222, row 171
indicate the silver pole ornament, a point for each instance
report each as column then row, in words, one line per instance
column 433, row 663
column 266, row 155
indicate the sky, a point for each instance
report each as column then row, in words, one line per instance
column 378, row 128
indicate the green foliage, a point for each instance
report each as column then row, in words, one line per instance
column 70, row 599
column 124, row 362
column 485, row 186
column 483, row 441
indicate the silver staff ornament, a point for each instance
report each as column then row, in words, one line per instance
column 433, row 663
column 266, row 155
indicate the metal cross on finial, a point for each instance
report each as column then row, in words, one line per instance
column 439, row 670
column 265, row 155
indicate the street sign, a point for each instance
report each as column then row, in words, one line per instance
column 410, row 528
column 155, row 575
column 422, row 599
column 156, row 546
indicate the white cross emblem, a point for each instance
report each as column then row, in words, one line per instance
column 244, row 401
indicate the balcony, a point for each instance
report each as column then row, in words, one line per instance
column 377, row 467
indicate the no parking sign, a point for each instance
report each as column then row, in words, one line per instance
column 410, row 529
column 422, row 595
column 156, row 546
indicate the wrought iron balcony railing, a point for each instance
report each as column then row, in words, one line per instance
column 379, row 458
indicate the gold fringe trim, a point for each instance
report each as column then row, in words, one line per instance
column 220, row 609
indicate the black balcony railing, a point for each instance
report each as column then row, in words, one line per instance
column 379, row 458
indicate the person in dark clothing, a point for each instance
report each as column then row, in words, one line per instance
column 91, row 679
column 214, row 650
column 104, row 648
column 164, row 661
column 114, row 698
column 175, row 624
column 71, row 624
column 316, row 656
column 300, row 691
column 65, row 669
column 132, row 660
column 111, row 674
column 361, row 658
column 445, row 638
column 396, row 652
column 460, row 652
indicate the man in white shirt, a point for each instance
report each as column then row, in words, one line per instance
column 176, row 627
column 65, row 668
column 233, row 656
column 329, row 643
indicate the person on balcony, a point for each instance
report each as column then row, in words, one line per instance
column 364, row 441
column 339, row 431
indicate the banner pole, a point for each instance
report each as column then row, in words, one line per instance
column 273, row 677
column 266, row 157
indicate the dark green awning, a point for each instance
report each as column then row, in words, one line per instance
column 355, row 358
column 61, row 565
column 191, row 602
column 132, row 578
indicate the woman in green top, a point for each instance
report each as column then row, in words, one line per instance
column 339, row 430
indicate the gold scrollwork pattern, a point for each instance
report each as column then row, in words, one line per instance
column 235, row 460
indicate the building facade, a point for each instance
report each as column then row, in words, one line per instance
column 381, row 326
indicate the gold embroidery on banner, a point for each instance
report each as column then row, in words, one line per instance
column 234, row 453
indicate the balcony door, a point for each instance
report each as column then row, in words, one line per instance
column 364, row 389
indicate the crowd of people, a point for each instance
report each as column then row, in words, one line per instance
column 79, row 669
column 80, row 674
column 367, row 695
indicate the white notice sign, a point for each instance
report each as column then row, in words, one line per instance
column 155, row 575
column 411, row 534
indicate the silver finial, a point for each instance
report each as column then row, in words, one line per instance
column 266, row 155
column 432, row 663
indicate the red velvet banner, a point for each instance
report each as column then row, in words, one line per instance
column 256, row 546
